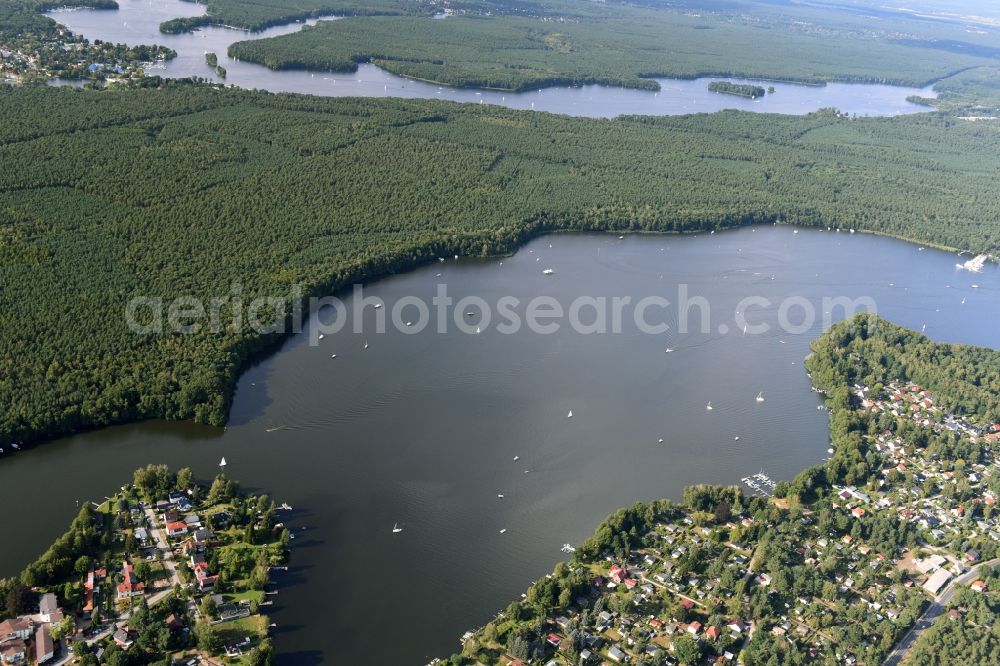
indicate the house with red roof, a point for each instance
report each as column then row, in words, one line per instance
column 130, row 586
column 177, row 528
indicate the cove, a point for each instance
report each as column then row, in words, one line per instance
column 137, row 22
column 422, row 429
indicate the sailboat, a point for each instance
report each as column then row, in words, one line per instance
column 516, row 458
column 668, row 350
column 504, row 530
column 570, row 415
column 500, row 495
column 322, row 335
column 366, row 344
column 709, row 407
column 760, row 397
column 548, row 271
column 736, row 439
column 396, row 529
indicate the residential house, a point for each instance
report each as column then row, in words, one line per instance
column 48, row 609
column 13, row 651
column 44, row 647
column 177, row 528
column 15, row 629
column 130, row 585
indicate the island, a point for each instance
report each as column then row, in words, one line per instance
column 738, row 89
column 899, row 526
column 164, row 568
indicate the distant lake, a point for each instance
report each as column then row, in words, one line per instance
column 423, row 429
column 137, row 22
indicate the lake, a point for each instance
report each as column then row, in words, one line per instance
column 421, row 429
column 137, row 22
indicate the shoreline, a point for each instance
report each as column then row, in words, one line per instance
column 261, row 347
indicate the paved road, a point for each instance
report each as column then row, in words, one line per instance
column 168, row 562
column 937, row 607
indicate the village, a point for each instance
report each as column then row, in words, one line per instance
column 163, row 568
column 715, row 581
column 56, row 53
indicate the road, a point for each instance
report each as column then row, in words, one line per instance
column 168, row 563
column 937, row 607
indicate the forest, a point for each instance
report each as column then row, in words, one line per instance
column 260, row 14
column 740, row 90
column 627, row 47
column 181, row 189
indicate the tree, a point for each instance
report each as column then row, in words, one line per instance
column 208, row 638
column 20, row 598
column 62, row 629
column 687, row 650
column 185, row 479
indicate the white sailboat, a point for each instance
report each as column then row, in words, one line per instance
column 709, row 406
column 570, row 415
column 669, row 350
column 503, row 531
column 760, row 397
column 548, row 271
column 396, row 529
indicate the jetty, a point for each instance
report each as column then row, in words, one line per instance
column 760, row 483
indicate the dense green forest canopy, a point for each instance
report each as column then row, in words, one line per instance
column 25, row 16
column 185, row 189
column 624, row 47
column 260, row 14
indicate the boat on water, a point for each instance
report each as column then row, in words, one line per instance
column 567, row 548
column 396, row 529
column 709, row 406
column 659, row 441
column 736, row 438
column 516, row 458
column 669, row 350
column 548, row 271
column 760, row 397
column 322, row 335
column 503, row 531
column 500, row 495
column 378, row 306
column 570, row 415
